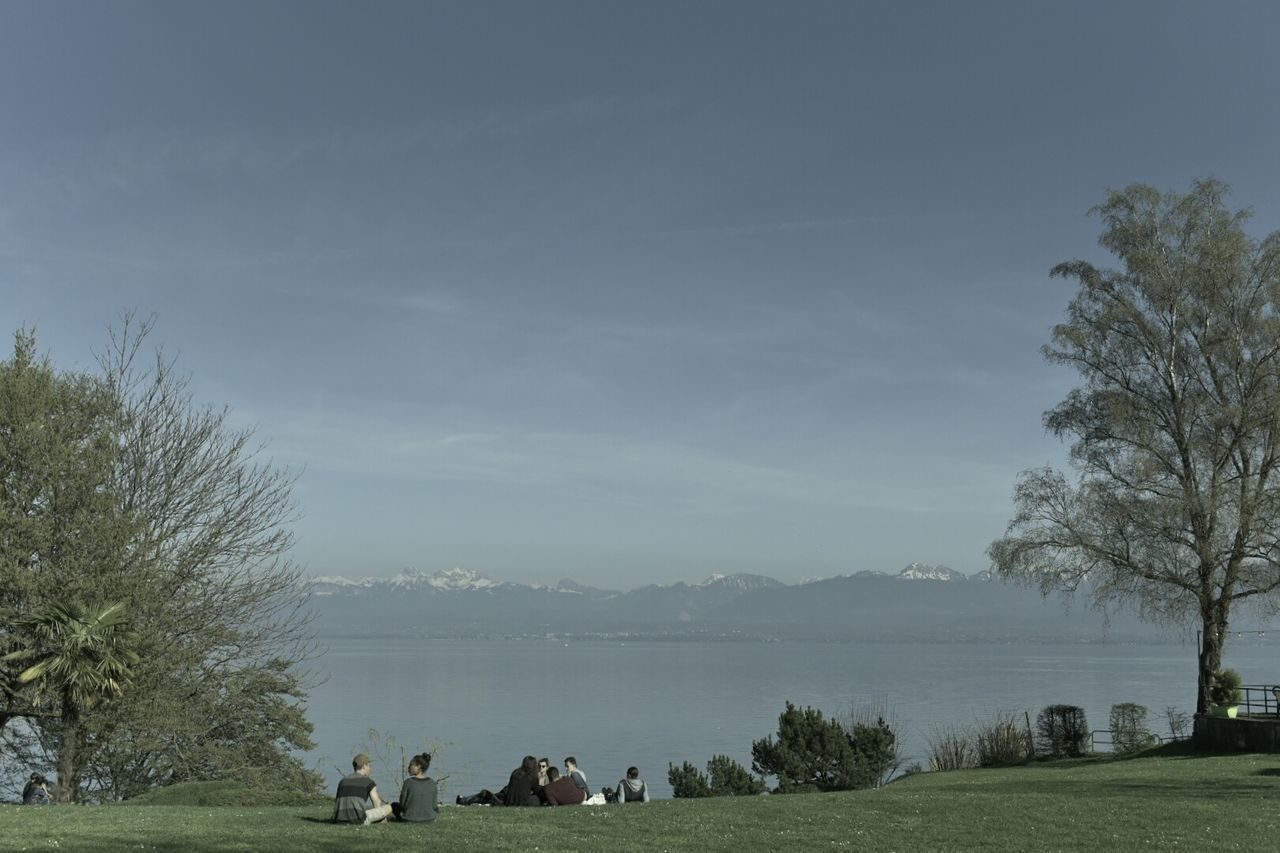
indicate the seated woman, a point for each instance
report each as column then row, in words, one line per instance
column 418, row 794
column 561, row 790
column 522, row 788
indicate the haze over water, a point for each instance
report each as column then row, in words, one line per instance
column 484, row 704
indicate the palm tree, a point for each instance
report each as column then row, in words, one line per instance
column 82, row 655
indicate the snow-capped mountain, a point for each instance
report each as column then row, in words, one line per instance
column 741, row 582
column 925, row 572
column 453, row 580
column 864, row 605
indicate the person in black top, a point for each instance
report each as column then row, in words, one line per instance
column 522, row 788
column 36, row 791
column 632, row 789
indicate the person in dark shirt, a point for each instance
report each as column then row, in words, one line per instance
column 632, row 789
column 522, row 788
column 36, row 791
column 418, row 794
column 561, row 791
column 354, row 790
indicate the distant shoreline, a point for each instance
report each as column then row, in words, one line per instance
column 750, row 638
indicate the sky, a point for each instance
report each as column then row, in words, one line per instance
column 626, row 293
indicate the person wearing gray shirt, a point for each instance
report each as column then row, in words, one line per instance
column 579, row 778
column 418, row 794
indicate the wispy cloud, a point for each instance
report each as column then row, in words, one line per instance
column 617, row 469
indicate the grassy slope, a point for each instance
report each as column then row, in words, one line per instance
column 1160, row 803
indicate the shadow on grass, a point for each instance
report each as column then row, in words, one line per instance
column 1268, row 771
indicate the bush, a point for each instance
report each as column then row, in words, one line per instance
column 687, row 781
column 1003, row 741
column 875, row 750
column 1129, row 728
column 812, row 753
column 1062, row 731
column 952, row 748
column 1179, row 721
column 728, row 778
column 873, row 724
column 1225, row 689
column 731, row 779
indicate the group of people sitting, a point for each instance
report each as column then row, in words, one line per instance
column 357, row 800
column 534, row 783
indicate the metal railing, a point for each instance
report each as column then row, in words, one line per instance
column 1259, row 700
column 1097, row 739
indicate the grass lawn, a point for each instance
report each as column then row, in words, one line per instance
column 1161, row 802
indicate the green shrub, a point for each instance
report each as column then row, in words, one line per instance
column 687, row 781
column 876, row 751
column 812, row 753
column 1225, row 689
column 724, row 778
column 1003, row 741
column 1062, row 731
column 731, row 779
column 1129, row 728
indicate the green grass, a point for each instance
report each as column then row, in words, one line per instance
column 1160, row 802
column 227, row 794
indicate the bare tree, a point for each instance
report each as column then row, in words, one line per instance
column 1175, row 429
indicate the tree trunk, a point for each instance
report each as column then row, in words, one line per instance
column 1209, row 663
column 68, row 781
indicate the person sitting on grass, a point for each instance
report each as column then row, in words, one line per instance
column 632, row 789
column 522, row 788
column 561, row 791
column 36, row 791
column 579, row 778
column 354, row 790
column 417, row 803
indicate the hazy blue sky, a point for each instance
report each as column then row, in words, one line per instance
column 624, row 292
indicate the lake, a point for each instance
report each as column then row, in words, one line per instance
column 482, row 705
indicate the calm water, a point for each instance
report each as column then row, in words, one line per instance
column 481, row 705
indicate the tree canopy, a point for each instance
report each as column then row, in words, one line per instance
column 116, row 485
column 78, row 655
column 1175, row 427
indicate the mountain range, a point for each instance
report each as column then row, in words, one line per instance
column 921, row 602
